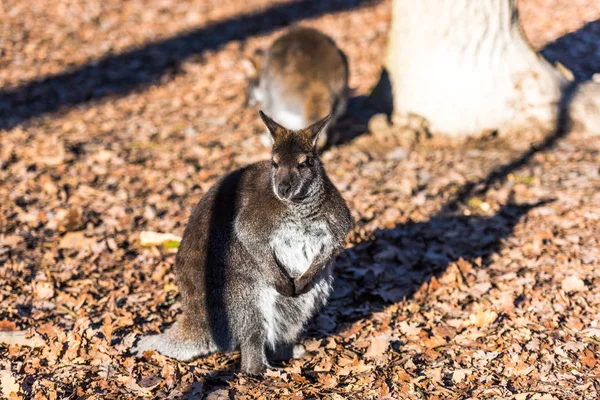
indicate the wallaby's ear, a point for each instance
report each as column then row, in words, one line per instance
column 252, row 65
column 315, row 129
column 249, row 67
column 277, row 131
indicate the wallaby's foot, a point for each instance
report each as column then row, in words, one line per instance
column 185, row 350
column 174, row 343
column 298, row 352
column 254, row 358
column 287, row 352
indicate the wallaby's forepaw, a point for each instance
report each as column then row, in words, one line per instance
column 302, row 285
column 286, row 287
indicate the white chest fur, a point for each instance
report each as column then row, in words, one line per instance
column 289, row 119
column 296, row 243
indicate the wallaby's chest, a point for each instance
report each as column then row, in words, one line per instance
column 297, row 243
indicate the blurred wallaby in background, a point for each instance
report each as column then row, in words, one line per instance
column 299, row 80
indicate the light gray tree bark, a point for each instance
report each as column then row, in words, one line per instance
column 466, row 67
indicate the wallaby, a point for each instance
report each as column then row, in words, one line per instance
column 254, row 263
column 301, row 78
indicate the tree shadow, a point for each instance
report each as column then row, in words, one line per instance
column 121, row 74
column 398, row 261
column 582, row 64
column 360, row 109
column 354, row 122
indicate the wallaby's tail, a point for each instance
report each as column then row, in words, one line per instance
column 178, row 342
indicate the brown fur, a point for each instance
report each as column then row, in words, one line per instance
column 303, row 73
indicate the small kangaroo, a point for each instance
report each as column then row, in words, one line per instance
column 302, row 77
column 254, row 263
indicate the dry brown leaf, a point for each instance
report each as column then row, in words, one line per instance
column 482, row 318
column 324, row 366
column 136, row 387
column 6, row 325
column 10, row 240
column 327, row 380
column 51, row 152
column 107, row 328
column 21, row 338
column 312, row 345
column 362, row 367
column 345, row 361
column 589, row 359
column 72, row 220
column 573, row 284
column 149, row 238
column 410, row 329
column 160, row 272
column 434, row 341
column 76, row 240
column 43, row 290
column 49, row 330
column 534, row 396
column 8, row 383
column 592, row 332
column 460, row 374
column 378, row 346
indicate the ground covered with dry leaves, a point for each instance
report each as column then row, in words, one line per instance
column 472, row 271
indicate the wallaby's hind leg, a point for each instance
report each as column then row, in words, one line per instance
column 254, row 358
column 286, row 352
column 178, row 342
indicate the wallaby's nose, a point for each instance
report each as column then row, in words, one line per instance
column 284, row 189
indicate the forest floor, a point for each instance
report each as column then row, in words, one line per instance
column 472, row 271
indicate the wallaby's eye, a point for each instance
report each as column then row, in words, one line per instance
column 274, row 164
column 306, row 162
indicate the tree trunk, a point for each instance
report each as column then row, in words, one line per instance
column 466, row 67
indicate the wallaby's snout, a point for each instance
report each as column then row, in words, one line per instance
column 287, row 180
column 284, row 189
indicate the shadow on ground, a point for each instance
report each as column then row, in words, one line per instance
column 398, row 261
column 587, row 37
column 120, row 74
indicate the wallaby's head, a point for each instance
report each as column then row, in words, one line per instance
column 296, row 170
